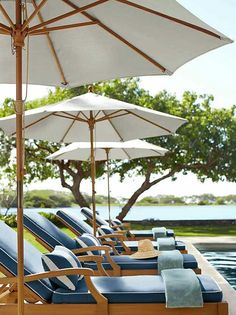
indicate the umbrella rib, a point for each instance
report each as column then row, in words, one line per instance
column 62, row 27
column 171, row 18
column 69, row 128
column 122, row 39
column 7, row 17
column 129, row 157
column 6, row 28
column 66, row 15
column 34, row 123
column 52, row 48
column 4, row 32
column 97, row 114
column 36, row 11
column 111, row 116
column 149, row 121
column 69, row 117
column 117, row 132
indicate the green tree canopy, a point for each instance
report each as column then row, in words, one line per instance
column 204, row 146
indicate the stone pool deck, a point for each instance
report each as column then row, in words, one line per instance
column 211, row 243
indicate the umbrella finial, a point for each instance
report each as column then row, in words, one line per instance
column 90, row 89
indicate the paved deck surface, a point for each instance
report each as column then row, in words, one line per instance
column 225, row 242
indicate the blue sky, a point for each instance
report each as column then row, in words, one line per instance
column 213, row 73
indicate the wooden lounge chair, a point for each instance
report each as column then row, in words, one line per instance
column 50, row 236
column 78, row 227
column 94, row 295
column 120, row 227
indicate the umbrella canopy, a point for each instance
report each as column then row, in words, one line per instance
column 127, row 150
column 108, row 150
column 78, row 42
column 87, row 115
column 113, row 120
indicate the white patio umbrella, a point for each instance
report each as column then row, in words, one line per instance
column 90, row 116
column 73, row 43
column 105, row 151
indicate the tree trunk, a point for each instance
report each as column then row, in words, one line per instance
column 145, row 186
column 124, row 211
column 79, row 198
column 75, row 187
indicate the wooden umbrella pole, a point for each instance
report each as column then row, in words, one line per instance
column 108, row 184
column 19, row 43
column 93, row 170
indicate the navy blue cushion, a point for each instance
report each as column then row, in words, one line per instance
column 133, row 289
column 32, row 261
column 47, row 231
column 72, row 220
column 58, row 259
column 86, row 240
column 129, row 263
column 88, row 213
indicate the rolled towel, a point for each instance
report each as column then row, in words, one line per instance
column 159, row 232
column 166, row 243
column 182, row 288
column 170, row 260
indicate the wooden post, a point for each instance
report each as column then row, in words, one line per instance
column 108, row 185
column 19, row 43
column 93, row 170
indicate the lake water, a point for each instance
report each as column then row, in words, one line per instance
column 161, row 212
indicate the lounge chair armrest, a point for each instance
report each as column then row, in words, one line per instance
column 112, row 244
column 98, row 260
column 119, row 236
column 126, row 225
column 49, row 274
column 91, row 248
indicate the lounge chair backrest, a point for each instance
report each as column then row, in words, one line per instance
column 48, row 232
column 74, row 222
column 32, row 261
column 89, row 215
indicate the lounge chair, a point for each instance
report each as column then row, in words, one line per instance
column 119, row 226
column 94, row 295
column 49, row 235
column 78, row 227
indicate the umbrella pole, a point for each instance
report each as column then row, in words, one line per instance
column 108, row 185
column 93, row 170
column 19, row 43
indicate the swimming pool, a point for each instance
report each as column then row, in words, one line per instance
column 225, row 263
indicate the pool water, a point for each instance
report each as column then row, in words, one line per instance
column 225, row 263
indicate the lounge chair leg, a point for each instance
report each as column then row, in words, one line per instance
column 223, row 308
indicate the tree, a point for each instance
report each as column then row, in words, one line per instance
column 204, row 146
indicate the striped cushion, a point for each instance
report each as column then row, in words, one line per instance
column 104, row 230
column 61, row 258
column 86, row 240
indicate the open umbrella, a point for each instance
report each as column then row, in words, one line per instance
column 87, row 115
column 105, row 151
column 75, row 44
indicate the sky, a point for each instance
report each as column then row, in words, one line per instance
column 213, row 73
